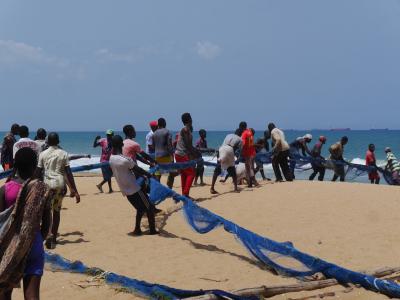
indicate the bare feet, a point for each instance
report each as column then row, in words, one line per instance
column 135, row 233
column 213, row 191
column 100, row 188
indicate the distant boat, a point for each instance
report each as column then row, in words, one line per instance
column 379, row 129
column 340, row 129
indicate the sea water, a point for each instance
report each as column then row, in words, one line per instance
column 82, row 143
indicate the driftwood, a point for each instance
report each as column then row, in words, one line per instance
column 270, row 291
column 319, row 296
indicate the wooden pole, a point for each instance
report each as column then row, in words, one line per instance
column 270, row 291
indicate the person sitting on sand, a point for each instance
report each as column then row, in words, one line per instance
column 317, row 163
column 393, row 166
column 201, row 144
column 21, row 242
column 336, row 157
column 7, row 148
column 300, row 144
column 54, row 167
column 370, row 161
column 105, row 144
column 164, row 151
column 280, row 154
column 185, row 152
column 226, row 160
column 125, row 170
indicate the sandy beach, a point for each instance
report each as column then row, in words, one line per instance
column 353, row 225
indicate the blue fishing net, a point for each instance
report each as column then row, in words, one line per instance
column 283, row 258
column 154, row 291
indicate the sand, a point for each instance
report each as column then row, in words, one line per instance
column 353, row 225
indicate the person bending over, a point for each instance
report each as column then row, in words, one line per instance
column 336, row 157
column 226, row 160
column 318, row 160
column 393, row 166
column 125, row 170
column 280, row 154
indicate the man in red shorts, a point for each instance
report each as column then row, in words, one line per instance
column 185, row 152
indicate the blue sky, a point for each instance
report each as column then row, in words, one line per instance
column 88, row 65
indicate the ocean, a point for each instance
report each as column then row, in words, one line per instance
column 82, row 142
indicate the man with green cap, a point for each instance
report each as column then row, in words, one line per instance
column 106, row 147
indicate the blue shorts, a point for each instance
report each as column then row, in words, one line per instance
column 35, row 261
column 107, row 172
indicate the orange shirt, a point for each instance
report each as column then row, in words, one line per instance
column 248, row 149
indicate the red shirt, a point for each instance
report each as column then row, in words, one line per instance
column 248, row 149
column 370, row 158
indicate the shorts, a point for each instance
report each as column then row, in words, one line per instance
column 396, row 177
column 163, row 160
column 107, row 172
column 56, row 201
column 35, row 261
column 373, row 176
column 140, row 201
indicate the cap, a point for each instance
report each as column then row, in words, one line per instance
column 322, row 138
column 307, row 136
column 109, row 132
column 387, row 149
column 153, row 123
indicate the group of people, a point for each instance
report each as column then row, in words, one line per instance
column 42, row 165
column 37, row 165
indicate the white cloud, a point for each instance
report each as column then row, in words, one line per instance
column 12, row 53
column 131, row 56
column 17, row 55
column 208, row 50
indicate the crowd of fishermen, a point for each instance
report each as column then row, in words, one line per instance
column 41, row 175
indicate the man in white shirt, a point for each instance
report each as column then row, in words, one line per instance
column 25, row 141
column 125, row 169
column 280, row 152
column 226, row 160
column 54, row 167
column 149, row 138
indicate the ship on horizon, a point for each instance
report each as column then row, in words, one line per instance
column 340, row 129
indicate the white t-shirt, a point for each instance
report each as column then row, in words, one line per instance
column 41, row 144
column 149, row 140
column 53, row 161
column 126, row 179
column 25, row 143
column 226, row 157
column 278, row 138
